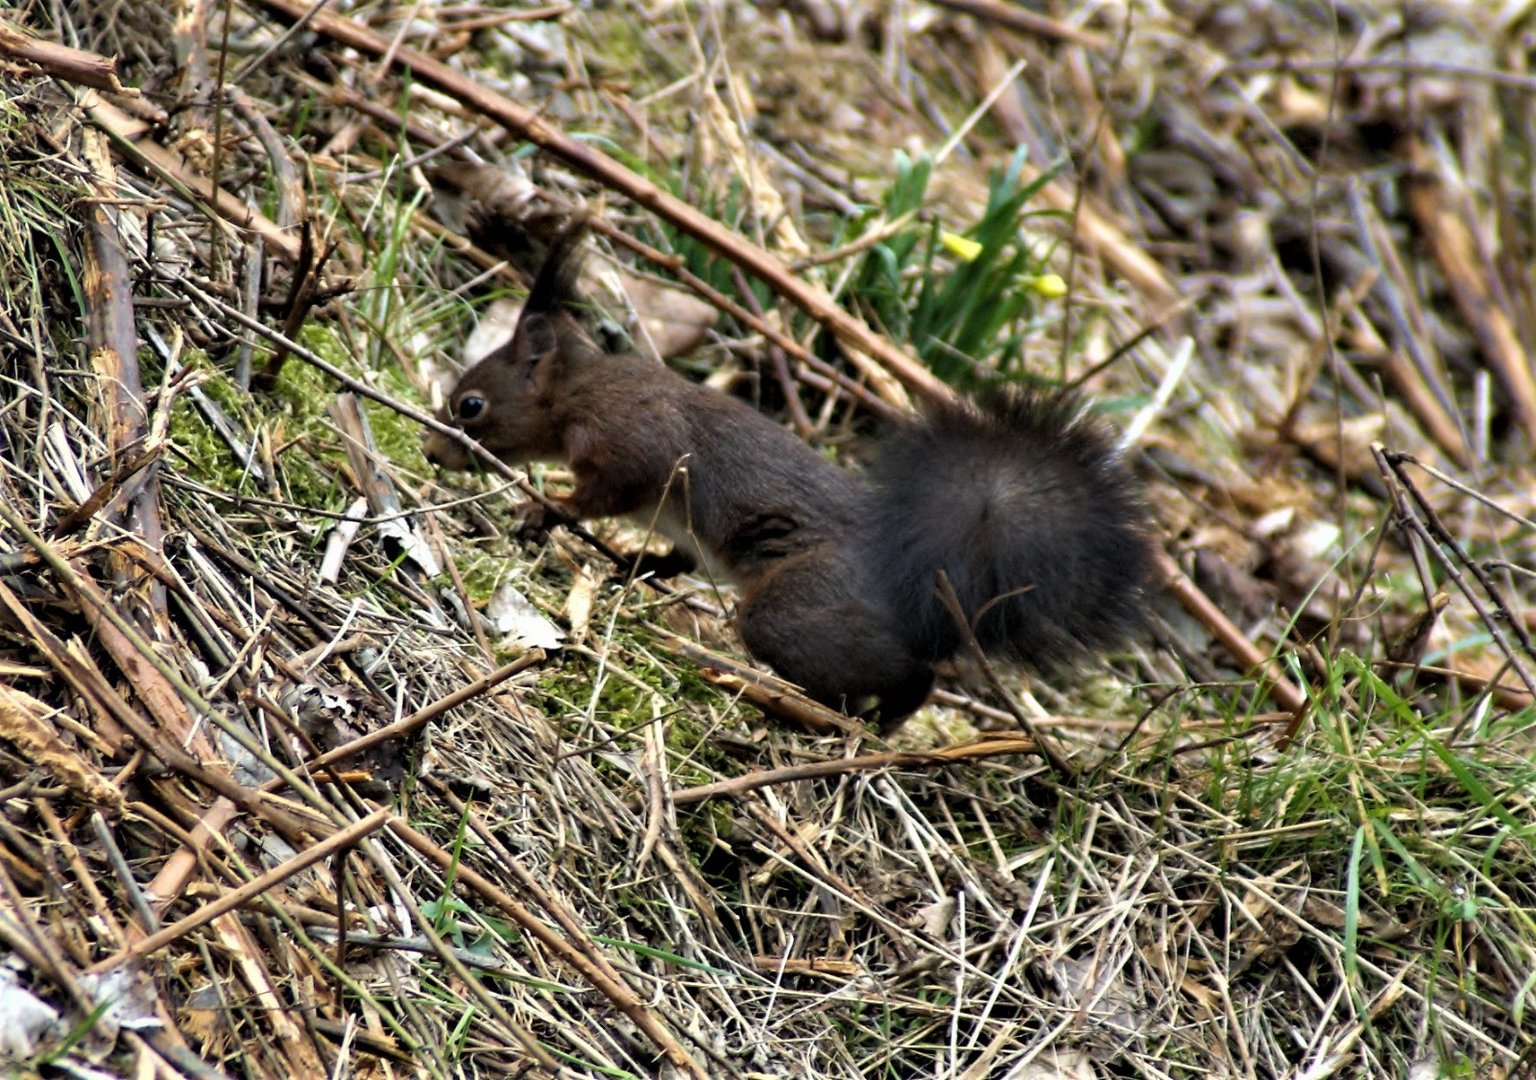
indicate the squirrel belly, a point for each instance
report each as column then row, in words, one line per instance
column 1022, row 503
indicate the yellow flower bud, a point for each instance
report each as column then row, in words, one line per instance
column 1050, row 286
column 959, row 246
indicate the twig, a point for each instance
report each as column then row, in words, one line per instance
column 767, row 691
column 546, row 900
column 114, row 347
column 991, row 746
column 1468, row 276
column 787, row 385
column 164, row 691
column 1509, row 697
column 420, row 717
column 752, row 318
column 1401, row 458
column 1017, row 17
column 1291, row 65
column 214, row 201
column 62, row 62
column 1225, row 631
column 73, row 520
column 343, row 838
column 618, row 992
column 1440, row 540
column 1063, row 768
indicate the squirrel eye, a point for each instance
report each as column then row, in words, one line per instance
column 471, row 406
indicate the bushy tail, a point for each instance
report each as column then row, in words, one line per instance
column 1025, row 504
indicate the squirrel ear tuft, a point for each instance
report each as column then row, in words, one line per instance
column 539, row 339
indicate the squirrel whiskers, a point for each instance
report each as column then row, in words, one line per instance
column 1022, row 501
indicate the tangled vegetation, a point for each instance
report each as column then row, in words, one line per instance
column 312, row 764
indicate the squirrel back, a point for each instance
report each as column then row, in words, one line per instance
column 1023, row 503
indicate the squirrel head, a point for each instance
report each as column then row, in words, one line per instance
column 509, row 402
column 506, row 402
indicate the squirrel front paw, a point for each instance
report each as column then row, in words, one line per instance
column 669, row 565
column 535, row 519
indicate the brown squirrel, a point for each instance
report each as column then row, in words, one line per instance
column 1023, row 503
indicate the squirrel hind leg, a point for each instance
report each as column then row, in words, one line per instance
column 809, row 624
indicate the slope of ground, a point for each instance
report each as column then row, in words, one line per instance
column 276, row 804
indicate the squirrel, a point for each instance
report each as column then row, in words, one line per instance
column 1022, row 501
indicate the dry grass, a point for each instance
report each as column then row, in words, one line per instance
column 261, row 821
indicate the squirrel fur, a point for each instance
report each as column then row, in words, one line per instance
column 1022, row 502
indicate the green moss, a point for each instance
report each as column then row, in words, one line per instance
column 398, row 438
column 208, row 457
column 304, row 392
column 639, row 683
column 292, row 416
column 480, row 570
